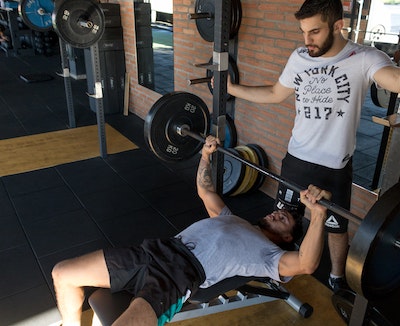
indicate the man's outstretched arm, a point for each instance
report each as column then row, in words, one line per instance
column 260, row 94
column 205, row 186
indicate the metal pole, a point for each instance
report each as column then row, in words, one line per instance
column 98, row 95
column 360, row 7
column 222, row 23
column 67, row 83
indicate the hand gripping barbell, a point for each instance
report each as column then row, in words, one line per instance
column 175, row 130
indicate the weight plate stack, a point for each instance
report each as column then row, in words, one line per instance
column 233, row 173
column 263, row 162
column 249, row 179
column 247, row 174
column 252, row 157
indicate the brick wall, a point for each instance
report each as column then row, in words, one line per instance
column 268, row 34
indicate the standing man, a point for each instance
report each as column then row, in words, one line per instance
column 329, row 78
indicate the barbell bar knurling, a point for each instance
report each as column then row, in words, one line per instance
column 184, row 130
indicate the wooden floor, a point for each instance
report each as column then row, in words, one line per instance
column 39, row 151
column 278, row 312
column 274, row 313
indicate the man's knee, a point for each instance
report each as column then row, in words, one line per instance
column 59, row 272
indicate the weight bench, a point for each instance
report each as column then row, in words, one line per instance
column 247, row 291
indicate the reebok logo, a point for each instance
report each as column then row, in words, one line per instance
column 332, row 222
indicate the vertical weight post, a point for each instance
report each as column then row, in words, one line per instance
column 222, row 25
column 67, row 84
column 98, row 95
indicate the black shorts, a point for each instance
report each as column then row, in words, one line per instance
column 159, row 271
column 302, row 173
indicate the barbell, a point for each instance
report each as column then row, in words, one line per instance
column 175, row 129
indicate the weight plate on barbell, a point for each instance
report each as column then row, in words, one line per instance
column 373, row 261
column 171, row 111
column 233, row 173
column 36, row 14
column 80, row 23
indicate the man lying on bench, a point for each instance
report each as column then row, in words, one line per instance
column 163, row 273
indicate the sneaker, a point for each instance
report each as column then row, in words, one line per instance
column 337, row 283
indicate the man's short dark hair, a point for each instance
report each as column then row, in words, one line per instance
column 297, row 231
column 330, row 10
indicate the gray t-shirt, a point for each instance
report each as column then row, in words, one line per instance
column 228, row 246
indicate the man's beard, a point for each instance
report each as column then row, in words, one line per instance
column 264, row 224
column 324, row 48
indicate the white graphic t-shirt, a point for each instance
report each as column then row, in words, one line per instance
column 329, row 94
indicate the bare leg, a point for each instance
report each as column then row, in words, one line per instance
column 338, row 247
column 139, row 313
column 70, row 276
